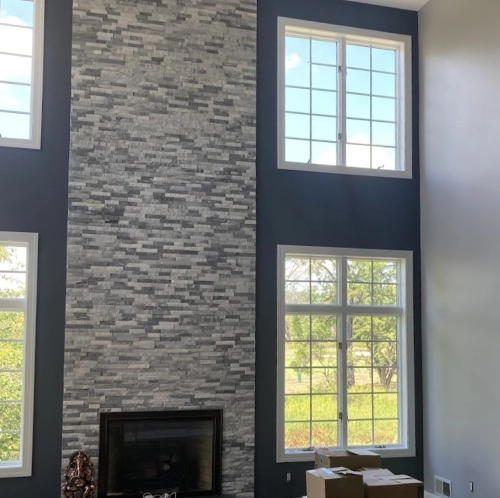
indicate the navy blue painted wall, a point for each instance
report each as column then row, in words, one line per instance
column 317, row 209
column 34, row 198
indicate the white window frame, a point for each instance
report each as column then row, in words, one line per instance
column 406, row 378
column 34, row 142
column 23, row 467
column 342, row 35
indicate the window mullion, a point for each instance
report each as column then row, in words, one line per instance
column 342, row 374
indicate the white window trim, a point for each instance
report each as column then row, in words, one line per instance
column 404, row 95
column 23, row 467
column 36, row 84
column 406, row 350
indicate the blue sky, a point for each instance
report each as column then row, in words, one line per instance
column 16, row 19
column 312, row 108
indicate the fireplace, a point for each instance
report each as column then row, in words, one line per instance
column 159, row 452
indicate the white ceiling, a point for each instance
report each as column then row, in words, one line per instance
column 400, row 4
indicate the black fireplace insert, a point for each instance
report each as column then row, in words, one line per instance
column 160, row 452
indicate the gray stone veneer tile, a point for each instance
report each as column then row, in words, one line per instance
column 161, row 249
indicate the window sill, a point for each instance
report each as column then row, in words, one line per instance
column 14, row 469
column 343, row 170
column 17, row 143
column 308, row 456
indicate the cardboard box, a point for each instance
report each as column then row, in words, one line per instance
column 334, row 483
column 392, row 486
column 351, row 459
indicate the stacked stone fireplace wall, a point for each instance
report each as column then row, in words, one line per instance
column 161, row 247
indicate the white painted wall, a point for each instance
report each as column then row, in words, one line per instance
column 460, row 135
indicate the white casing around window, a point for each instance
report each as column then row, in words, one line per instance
column 406, row 347
column 34, row 142
column 342, row 34
column 23, row 468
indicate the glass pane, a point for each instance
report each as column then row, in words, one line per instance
column 324, row 102
column 324, row 380
column 384, row 134
column 323, row 293
column 358, row 156
column 11, row 355
column 385, row 380
column 359, row 270
column 297, row 293
column 297, row 125
column 384, row 84
column 358, row 81
column 15, row 40
column 297, row 48
column 324, row 354
column 10, row 417
column 15, row 125
column 386, row 432
column 383, row 60
column 324, row 407
column 357, row 106
column 15, row 97
column 297, row 327
column 358, row 56
column 358, row 132
column 297, row 408
column 297, row 354
column 383, row 158
column 359, row 406
column 385, row 354
column 297, row 100
column 10, row 386
column 385, row 272
column 324, row 52
column 11, row 325
column 324, row 434
column 14, row 68
column 324, row 328
column 324, row 77
column 359, row 380
column 324, row 153
column 324, row 270
column 18, row 12
column 12, row 258
column 12, row 285
column 359, row 294
column 359, row 328
column 359, row 354
column 297, row 73
column 10, row 447
column 297, row 151
column 385, row 328
column 385, row 295
column 324, row 128
column 297, row 380
column 383, row 109
column 297, row 435
column 385, row 405
column 297, row 269
column 360, row 433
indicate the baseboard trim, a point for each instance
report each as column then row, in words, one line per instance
column 430, row 495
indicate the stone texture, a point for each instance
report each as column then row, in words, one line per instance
column 161, row 249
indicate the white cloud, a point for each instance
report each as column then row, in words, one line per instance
column 12, row 19
column 292, row 60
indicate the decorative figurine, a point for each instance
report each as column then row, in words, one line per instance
column 79, row 476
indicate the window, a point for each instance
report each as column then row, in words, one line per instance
column 344, row 100
column 18, row 271
column 345, row 364
column 21, row 64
